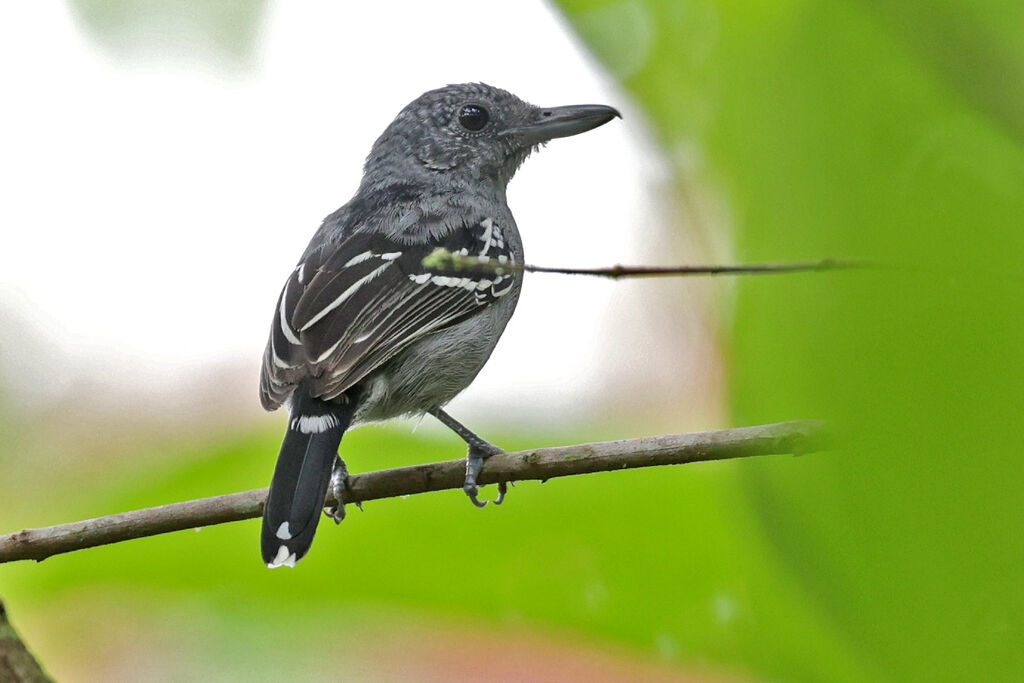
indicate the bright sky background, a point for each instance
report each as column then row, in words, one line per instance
column 152, row 208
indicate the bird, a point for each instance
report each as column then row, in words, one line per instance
column 368, row 326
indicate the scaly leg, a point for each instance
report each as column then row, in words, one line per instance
column 339, row 487
column 479, row 450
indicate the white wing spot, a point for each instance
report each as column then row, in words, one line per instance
column 283, row 532
column 328, row 352
column 344, row 295
column 288, row 334
column 488, row 225
column 503, row 291
column 359, row 258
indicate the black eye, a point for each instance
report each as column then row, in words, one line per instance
column 473, row 117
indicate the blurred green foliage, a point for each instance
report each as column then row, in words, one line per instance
column 222, row 31
column 657, row 560
column 889, row 131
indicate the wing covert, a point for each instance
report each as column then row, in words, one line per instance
column 348, row 308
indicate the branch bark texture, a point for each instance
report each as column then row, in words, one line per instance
column 796, row 437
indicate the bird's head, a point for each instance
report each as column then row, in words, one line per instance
column 471, row 132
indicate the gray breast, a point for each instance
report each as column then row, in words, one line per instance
column 434, row 369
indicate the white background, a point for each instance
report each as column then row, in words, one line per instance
column 153, row 206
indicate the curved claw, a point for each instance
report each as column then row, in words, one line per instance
column 472, row 493
column 335, row 512
column 502, row 490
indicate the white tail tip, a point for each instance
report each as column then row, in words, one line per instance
column 283, row 559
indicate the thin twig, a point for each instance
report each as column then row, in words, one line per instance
column 618, row 271
column 539, row 464
column 444, row 261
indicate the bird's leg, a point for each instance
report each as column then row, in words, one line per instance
column 338, row 487
column 479, row 450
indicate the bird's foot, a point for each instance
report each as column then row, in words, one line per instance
column 338, row 488
column 479, row 450
column 474, row 463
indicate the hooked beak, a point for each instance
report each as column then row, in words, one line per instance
column 561, row 122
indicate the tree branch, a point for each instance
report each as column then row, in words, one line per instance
column 538, row 464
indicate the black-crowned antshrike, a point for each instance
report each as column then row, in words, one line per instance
column 367, row 326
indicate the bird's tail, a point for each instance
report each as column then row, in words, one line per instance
column 303, row 472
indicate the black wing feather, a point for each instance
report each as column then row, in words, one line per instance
column 350, row 307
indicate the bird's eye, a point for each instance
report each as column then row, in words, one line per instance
column 473, row 117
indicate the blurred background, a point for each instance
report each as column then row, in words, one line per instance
column 160, row 158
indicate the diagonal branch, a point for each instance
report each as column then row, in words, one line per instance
column 796, row 437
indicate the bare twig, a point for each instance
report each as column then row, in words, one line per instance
column 445, row 261
column 540, row 464
column 615, row 272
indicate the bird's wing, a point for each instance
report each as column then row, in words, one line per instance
column 350, row 307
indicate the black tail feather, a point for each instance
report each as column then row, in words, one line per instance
column 301, row 478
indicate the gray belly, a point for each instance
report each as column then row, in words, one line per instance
column 432, row 370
